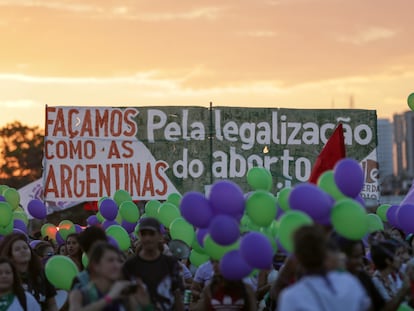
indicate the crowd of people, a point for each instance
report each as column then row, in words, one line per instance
column 324, row 272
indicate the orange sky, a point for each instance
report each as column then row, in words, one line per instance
column 270, row 53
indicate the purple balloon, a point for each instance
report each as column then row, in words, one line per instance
column 107, row 223
column 227, row 198
column 392, row 216
column 196, row 209
column 78, row 228
column 2, row 199
column 360, row 200
column 311, row 200
column 108, row 209
column 19, row 224
column 59, row 239
column 128, row 226
column 15, row 230
column 405, row 216
column 34, row 243
column 257, row 250
column 92, row 220
column 37, row 209
column 200, row 235
column 233, row 267
column 112, row 241
column 349, row 177
column 224, row 230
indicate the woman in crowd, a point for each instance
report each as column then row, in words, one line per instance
column 15, row 247
column 221, row 292
column 106, row 290
column 44, row 250
column 73, row 249
column 12, row 295
column 388, row 284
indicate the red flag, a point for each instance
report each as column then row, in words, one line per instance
column 332, row 152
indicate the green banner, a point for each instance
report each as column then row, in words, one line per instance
column 154, row 151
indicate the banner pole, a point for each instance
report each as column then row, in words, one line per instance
column 210, row 137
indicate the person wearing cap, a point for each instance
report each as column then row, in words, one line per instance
column 159, row 272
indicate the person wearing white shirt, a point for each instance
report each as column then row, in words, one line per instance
column 318, row 289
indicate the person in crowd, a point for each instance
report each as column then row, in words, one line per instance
column 61, row 249
column 397, row 234
column 106, row 290
column 223, row 294
column 203, row 275
column 319, row 289
column 16, row 247
column 354, row 251
column 410, row 242
column 387, row 263
column 87, row 238
column 12, row 295
column 44, row 250
column 73, row 249
column 159, row 272
column 376, row 236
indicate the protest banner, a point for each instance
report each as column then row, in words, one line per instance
column 151, row 152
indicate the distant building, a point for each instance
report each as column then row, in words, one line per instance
column 404, row 144
column 385, row 148
column 399, row 139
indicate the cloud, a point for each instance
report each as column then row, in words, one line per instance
column 55, row 5
column 19, row 103
column 368, row 35
column 118, row 12
column 259, row 33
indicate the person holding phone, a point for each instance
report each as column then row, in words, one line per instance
column 106, row 290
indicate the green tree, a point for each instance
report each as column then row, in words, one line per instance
column 22, row 153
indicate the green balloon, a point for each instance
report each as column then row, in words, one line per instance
column 129, row 211
column 85, row 260
column 121, row 196
column 66, row 227
column 6, row 214
column 404, row 307
column 118, row 218
column 12, row 196
column 120, row 235
column 410, row 101
column 48, row 230
column 167, row 213
column 197, row 259
column 60, row 271
column 382, row 211
column 374, row 223
column 100, row 218
column 5, row 230
column 22, row 216
column 3, row 188
column 259, row 178
column 182, row 230
column 288, row 224
column 151, row 208
column 216, row 251
column 283, row 199
column 174, row 198
column 197, row 247
column 327, row 183
column 349, row 219
column 261, row 208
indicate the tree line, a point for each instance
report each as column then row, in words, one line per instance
column 21, row 149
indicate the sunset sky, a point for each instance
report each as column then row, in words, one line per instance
column 256, row 53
